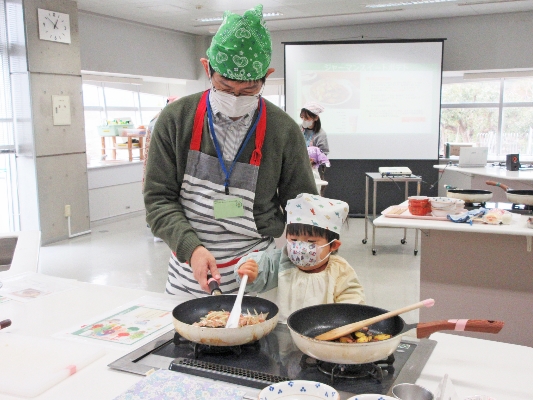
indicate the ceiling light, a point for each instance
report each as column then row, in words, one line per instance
column 406, row 3
column 475, row 3
column 214, row 19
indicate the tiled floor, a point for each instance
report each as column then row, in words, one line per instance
column 123, row 253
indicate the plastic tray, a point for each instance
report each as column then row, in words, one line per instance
column 396, row 212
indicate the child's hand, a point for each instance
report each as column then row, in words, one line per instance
column 249, row 268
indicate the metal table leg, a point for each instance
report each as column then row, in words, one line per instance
column 374, row 196
column 404, row 240
column 366, row 210
column 416, row 230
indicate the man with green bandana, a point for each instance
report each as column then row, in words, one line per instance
column 223, row 163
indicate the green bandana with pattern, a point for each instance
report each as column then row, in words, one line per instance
column 241, row 49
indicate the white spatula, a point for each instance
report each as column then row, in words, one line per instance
column 235, row 314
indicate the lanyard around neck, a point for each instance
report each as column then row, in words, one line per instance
column 227, row 172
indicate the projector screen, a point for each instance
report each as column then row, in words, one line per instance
column 381, row 98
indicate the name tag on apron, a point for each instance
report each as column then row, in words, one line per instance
column 228, row 208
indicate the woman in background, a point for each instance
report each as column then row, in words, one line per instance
column 314, row 134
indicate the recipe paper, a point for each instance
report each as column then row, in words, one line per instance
column 134, row 323
column 31, row 286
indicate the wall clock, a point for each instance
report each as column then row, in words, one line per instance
column 54, row 26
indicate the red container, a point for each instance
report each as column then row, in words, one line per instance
column 419, row 205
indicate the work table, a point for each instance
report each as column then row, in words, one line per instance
column 475, row 366
column 490, row 171
column 518, row 226
column 466, row 268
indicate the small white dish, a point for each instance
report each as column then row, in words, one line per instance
column 299, row 390
column 371, row 396
column 441, row 213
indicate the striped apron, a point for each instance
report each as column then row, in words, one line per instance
column 203, row 183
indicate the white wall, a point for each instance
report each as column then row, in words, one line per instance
column 484, row 42
column 110, row 45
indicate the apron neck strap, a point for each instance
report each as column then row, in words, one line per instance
column 198, row 126
column 259, row 136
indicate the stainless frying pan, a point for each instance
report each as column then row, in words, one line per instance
column 515, row 196
column 469, row 195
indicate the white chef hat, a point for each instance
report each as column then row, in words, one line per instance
column 318, row 211
column 314, row 107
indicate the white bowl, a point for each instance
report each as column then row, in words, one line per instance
column 442, row 213
column 371, row 397
column 442, row 202
column 299, row 390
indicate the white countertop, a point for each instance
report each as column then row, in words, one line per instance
column 493, row 172
column 475, row 366
column 518, row 226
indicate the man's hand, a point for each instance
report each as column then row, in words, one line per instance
column 202, row 262
column 249, row 268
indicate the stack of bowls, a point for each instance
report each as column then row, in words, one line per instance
column 442, row 206
column 419, row 205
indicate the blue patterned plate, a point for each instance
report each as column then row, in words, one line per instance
column 299, row 390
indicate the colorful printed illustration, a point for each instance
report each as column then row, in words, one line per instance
column 128, row 326
column 30, row 293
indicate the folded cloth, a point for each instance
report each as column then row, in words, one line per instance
column 468, row 216
column 317, row 156
column 165, row 384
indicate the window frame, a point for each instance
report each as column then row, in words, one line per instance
column 500, row 105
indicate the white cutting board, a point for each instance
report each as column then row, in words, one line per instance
column 31, row 365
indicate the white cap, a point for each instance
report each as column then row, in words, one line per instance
column 314, row 107
column 318, row 211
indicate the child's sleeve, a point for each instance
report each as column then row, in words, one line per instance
column 348, row 288
column 268, row 263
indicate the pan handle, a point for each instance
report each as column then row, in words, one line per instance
column 492, row 183
column 423, row 330
column 213, row 286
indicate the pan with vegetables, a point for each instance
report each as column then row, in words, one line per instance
column 307, row 323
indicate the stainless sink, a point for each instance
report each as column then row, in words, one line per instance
column 7, row 250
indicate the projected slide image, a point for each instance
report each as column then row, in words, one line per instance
column 331, row 89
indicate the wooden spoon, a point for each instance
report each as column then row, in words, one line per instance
column 347, row 329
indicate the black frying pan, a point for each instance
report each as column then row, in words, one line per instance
column 192, row 311
column 306, row 323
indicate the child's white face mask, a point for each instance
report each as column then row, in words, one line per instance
column 305, row 254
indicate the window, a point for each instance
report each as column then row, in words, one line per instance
column 9, row 212
column 103, row 103
column 497, row 114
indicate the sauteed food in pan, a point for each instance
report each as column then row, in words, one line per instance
column 364, row 336
column 219, row 319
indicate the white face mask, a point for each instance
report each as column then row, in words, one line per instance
column 305, row 254
column 307, row 123
column 233, row 106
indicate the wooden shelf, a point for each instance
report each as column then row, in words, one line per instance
column 114, row 147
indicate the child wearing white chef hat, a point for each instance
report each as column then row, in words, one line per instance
column 307, row 270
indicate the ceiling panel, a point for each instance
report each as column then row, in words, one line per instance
column 183, row 15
